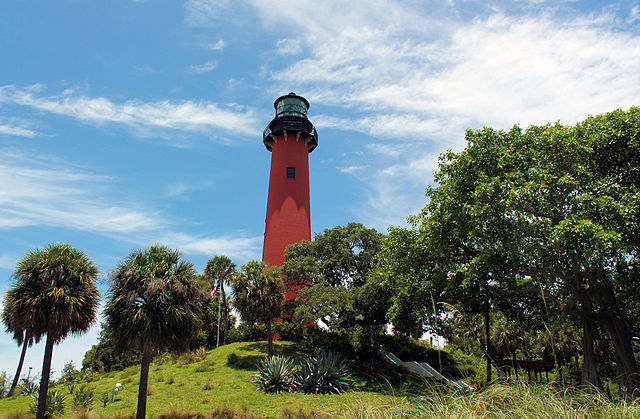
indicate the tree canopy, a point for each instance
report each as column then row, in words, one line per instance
column 549, row 213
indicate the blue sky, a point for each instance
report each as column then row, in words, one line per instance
column 127, row 123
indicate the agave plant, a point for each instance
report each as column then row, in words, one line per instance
column 277, row 374
column 325, row 373
column 29, row 388
column 54, row 406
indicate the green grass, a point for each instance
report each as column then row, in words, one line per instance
column 197, row 384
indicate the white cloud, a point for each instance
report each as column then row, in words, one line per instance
column 204, row 12
column 235, row 246
column 205, row 67
column 418, row 85
column 42, row 191
column 417, row 74
column 289, row 46
column 7, row 129
column 218, row 46
column 634, row 15
column 186, row 116
column 350, row 169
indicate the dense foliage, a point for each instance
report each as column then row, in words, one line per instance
column 537, row 224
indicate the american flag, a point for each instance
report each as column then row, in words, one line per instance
column 215, row 291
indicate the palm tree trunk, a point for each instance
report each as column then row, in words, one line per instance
column 144, row 379
column 270, row 339
column 44, row 378
column 17, row 376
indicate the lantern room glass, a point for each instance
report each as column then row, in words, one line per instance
column 291, row 106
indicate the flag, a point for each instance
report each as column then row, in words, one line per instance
column 215, row 291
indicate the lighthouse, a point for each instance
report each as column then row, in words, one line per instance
column 290, row 137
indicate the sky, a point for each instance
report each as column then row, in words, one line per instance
column 128, row 123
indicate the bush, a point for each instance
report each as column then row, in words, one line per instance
column 241, row 362
column 54, row 406
column 277, row 374
column 3, row 384
column 325, row 373
column 28, row 388
column 83, row 398
column 318, row 340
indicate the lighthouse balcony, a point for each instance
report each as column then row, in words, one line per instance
column 296, row 126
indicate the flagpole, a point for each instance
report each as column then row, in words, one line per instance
column 218, row 338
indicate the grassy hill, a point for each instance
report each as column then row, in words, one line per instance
column 191, row 384
column 198, row 383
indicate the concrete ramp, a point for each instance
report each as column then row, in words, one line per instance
column 424, row 370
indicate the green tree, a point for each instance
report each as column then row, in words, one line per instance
column 552, row 210
column 259, row 295
column 102, row 357
column 54, row 293
column 219, row 271
column 153, row 305
column 341, row 269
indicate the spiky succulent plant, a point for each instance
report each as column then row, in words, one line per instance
column 277, row 374
column 325, row 373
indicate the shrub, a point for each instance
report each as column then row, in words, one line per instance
column 3, row 384
column 83, row 398
column 318, row 340
column 28, row 388
column 325, row 373
column 200, row 353
column 54, row 406
column 241, row 362
column 277, row 374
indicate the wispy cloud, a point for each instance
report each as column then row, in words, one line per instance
column 350, row 169
column 204, row 12
column 46, row 192
column 204, row 67
column 43, row 191
column 6, row 129
column 238, row 246
column 418, row 87
column 189, row 115
column 218, row 46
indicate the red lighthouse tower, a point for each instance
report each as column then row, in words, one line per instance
column 290, row 137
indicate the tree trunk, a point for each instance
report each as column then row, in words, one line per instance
column 590, row 379
column 619, row 331
column 487, row 331
column 144, row 379
column 270, row 339
column 44, row 378
column 25, row 343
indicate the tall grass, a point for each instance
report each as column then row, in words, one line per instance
column 514, row 400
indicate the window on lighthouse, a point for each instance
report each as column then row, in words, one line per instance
column 291, row 172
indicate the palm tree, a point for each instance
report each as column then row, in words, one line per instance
column 219, row 271
column 54, row 293
column 153, row 305
column 259, row 295
column 22, row 337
